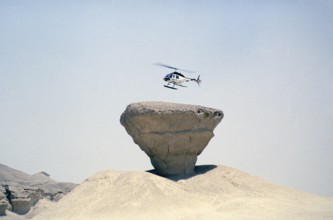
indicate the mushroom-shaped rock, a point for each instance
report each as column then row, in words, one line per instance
column 171, row 134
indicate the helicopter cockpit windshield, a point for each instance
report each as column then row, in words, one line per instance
column 168, row 77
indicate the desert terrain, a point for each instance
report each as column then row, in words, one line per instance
column 214, row 192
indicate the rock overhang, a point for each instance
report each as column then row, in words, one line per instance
column 164, row 116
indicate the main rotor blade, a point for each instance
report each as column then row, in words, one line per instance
column 161, row 64
column 174, row 68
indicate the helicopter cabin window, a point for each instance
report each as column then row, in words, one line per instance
column 177, row 77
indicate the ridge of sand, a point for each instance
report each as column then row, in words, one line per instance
column 218, row 193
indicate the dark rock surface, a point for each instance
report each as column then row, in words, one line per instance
column 4, row 204
column 171, row 134
column 20, row 191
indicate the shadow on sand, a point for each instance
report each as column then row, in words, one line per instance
column 198, row 170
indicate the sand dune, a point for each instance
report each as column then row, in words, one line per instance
column 214, row 193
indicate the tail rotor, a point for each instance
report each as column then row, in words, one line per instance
column 198, row 80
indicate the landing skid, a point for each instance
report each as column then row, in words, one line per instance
column 170, row 87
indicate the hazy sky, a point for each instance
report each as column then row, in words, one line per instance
column 68, row 69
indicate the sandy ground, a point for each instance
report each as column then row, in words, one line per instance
column 215, row 193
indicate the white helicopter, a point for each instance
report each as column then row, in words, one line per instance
column 177, row 78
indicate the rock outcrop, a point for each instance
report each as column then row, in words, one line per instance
column 20, row 191
column 171, row 134
column 4, row 204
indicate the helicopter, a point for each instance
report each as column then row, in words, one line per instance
column 176, row 78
